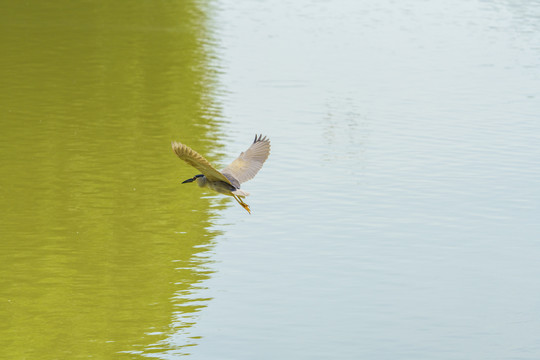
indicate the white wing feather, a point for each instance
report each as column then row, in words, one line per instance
column 248, row 163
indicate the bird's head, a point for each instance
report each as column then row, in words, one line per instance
column 192, row 179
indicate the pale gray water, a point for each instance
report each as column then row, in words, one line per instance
column 398, row 215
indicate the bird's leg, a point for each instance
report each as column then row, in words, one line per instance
column 244, row 205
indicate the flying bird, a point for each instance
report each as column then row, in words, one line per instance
column 227, row 181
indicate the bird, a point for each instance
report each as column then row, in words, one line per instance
column 227, row 181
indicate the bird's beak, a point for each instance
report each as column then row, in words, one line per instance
column 188, row 181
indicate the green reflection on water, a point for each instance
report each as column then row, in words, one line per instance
column 102, row 250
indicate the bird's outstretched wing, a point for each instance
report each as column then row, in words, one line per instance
column 196, row 160
column 248, row 164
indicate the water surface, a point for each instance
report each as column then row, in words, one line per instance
column 101, row 256
column 396, row 218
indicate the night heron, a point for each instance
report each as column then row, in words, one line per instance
column 228, row 181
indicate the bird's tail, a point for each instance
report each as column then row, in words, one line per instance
column 241, row 193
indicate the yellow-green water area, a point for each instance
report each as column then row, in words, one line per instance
column 101, row 252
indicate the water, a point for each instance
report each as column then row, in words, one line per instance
column 397, row 216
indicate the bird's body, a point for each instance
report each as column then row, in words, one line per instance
column 220, row 186
column 228, row 181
